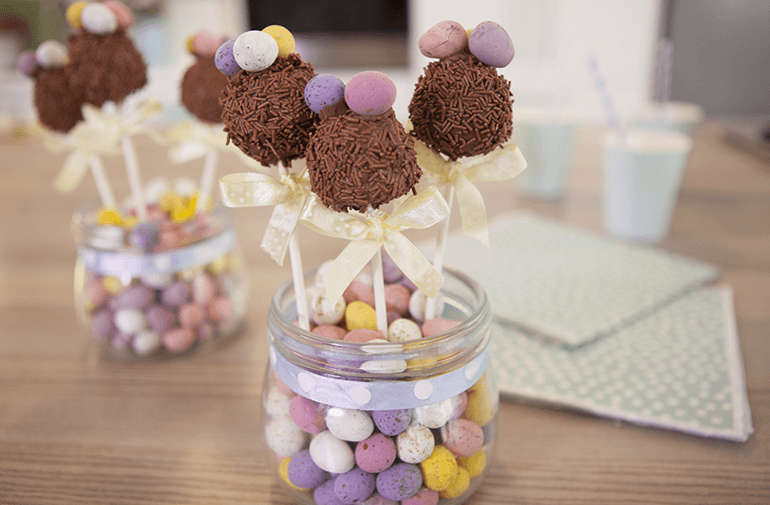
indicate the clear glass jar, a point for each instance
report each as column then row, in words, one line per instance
column 332, row 425
column 160, row 289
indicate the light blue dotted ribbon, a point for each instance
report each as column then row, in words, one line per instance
column 378, row 394
column 117, row 263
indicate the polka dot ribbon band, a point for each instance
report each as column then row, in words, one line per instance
column 379, row 394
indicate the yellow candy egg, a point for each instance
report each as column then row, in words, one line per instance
column 474, row 464
column 109, row 217
column 189, row 44
column 283, row 38
column 219, row 265
column 112, row 285
column 468, row 32
column 420, row 363
column 130, row 221
column 73, row 14
column 170, row 202
column 439, row 470
column 459, row 484
column 360, row 316
column 186, row 211
column 283, row 469
column 481, row 408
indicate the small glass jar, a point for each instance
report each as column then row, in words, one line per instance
column 161, row 288
column 414, row 422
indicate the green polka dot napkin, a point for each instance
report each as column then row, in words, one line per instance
column 568, row 284
column 679, row 368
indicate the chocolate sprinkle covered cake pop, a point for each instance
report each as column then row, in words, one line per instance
column 203, row 84
column 264, row 113
column 461, row 105
column 363, row 156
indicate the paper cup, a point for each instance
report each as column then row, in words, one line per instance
column 545, row 139
column 642, row 174
column 677, row 116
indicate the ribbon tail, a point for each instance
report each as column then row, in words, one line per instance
column 347, row 265
column 75, row 167
column 250, row 189
column 414, row 265
column 472, row 211
column 284, row 218
column 499, row 165
column 187, row 151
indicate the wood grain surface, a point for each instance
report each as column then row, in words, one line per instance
column 78, row 429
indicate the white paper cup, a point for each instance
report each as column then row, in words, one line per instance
column 642, row 174
column 545, row 140
column 679, row 116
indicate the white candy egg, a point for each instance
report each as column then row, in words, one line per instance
column 255, row 50
column 146, row 342
column 415, row 444
column 435, row 415
column 156, row 188
column 331, row 454
column 51, row 53
column 417, row 303
column 324, row 312
column 156, row 280
column 277, row 404
column 320, row 282
column 130, row 321
column 284, row 437
column 98, row 19
column 384, row 366
column 348, row 424
column 404, row 330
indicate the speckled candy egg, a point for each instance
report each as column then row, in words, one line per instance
column 490, row 43
column 403, row 330
column 101, row 325
column 277, row 405
column 458, row 486
column 376, row 453
column 178, row 340
column 424, row 496
column 354, row 486
column 439, row 469
column 330, row 453
column 136, row 297
column 50, row 54
column 392, row 422
column 255, row 50
column 324, row 494
column 462, row 437
column 146, row 342
column 99, row 19
column 176, row 294
column 417, row 303
column 323, row 90
column 74, row 12
column 415, row 444
column 159, row 319
column 224, row 59
column 370, row 93
column 123, row 14
column 443, row 39
column 434, row 415
column 205, row 44
column 326, row 312
column 348, row 424
column 378, row 499
column 399, row 482
column 130, row 321
column 283, row 38
column 473, row 464
column 359, row 315
column 436, row 326
column 304, row 473
column 307, row 414
column 284, row 438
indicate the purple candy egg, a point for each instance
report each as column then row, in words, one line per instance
column 160, row 319
column 176, row 295
column 136, row 297
column 101, row 325
column 490, row 43
column 304, row 473
column 325, row 495
column 144, row 236
column 354, row 486
column 322, row 91
column 121, row 340
column 378, row 499
column 26, row 63
column 370, row 93
column 224, row 59
column 400, row 481
column 392, row 422
column 390, row 271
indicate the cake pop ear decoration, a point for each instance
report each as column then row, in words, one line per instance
column 443, row 39
column 51, row 54
column 491, row 44
column 324, row 90
column 255, row 50
column 98, row 19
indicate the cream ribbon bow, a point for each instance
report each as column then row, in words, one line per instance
column 378, row 229
column 499, row 165
column 287, row 193
column 97, row 133
column 194, row 139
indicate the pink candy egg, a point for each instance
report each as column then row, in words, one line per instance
column 376, row 453
column 362, row 335
column 203, row 289
column 359, row 291
column 370, row 93
column 205, row 44
column 191, row 316
column 178, row 339
column 443, row 39
column 221, row 309
column 424, row 496
column 123, row 14
column 330, row 331
column 490, row 43
column 26, row 63
column 307, row 414
column 96, row 293
column 462, row 437
column 436, row 326
column 397, row 299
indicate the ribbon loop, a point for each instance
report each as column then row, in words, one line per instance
column 194, row 139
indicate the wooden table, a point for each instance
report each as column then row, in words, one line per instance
column 78, row 429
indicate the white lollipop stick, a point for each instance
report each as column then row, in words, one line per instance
column 207, row 180
column 102, row 184
column 296, row 273
column 378, row 282
column 438, row 257
column 132, row 170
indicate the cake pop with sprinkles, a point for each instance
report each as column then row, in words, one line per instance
column 461, row 106
column 105, row 63
column 264, row 112
column 203, row 84
column 360, row 155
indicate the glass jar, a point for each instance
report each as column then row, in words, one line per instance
column 160, row 288
column 347, row 421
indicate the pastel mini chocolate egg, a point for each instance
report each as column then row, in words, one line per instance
column 50, row 54
column 354, row 486
column 403, row 330
column 359, row 315
column 418, row 302
column 439, row 469
column 436, row 326
column 397, row 298
column 145, row 342
column 191, row 315
column 276, row 404
column 178, row 339
column 224, row 59
column 26, row 63
column 474, row 464
column 176, row 294
column 415, row 444
column 136, row 297
column 130, row 321
column 424, row 496
column 159, row 318
column 98, row 19
column 123, row 14
column 101, row 325
column 370, row 93
column 330, row 331
column 399, row 482
column 330, row 453
column 458, row 485
column 307, row 414
column 443, row 39
column 491, row 44
column 283, row 38
column 255, row 50
column 392, row 422
column 434, row 415
column 204, row 288
column 324, row 494
column 324, row 311
column 378, row 499
column 205, row 44
column 73, row 14
column 323, row 90
column 362, row 335
column 283, row 470
column 376, row 453
column 285, row 438
column 144, row 236
column 358, row 291
column 463, row 437
column 221, row 309
column 348, row 424
column 385, row 366
column 304, row 473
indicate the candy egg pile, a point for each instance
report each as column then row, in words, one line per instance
column 163, row 285
column 428, row 454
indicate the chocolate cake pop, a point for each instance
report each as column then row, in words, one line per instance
column 203, row 84
column 363, row 156
column 461, row 106
column 264, row 111
column 104, row 61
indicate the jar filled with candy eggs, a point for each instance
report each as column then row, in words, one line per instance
column 168, row 286
column 410, row 420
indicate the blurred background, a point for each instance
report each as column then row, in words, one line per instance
column 720, row 48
